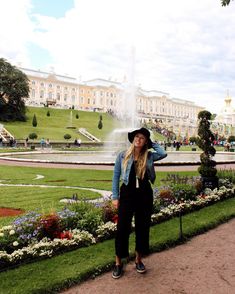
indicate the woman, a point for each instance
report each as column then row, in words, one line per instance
column 135, row 167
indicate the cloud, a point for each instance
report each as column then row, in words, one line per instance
column 181, row 47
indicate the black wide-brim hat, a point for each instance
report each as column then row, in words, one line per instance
column 143, row 131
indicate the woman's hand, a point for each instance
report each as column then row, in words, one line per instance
column 115, row 203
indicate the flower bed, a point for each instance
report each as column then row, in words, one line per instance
column 36, row 236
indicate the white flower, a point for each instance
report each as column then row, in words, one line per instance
column 15, row 243
column 12, row 232
column 1, row 235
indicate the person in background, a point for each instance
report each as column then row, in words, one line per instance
column 135, row 167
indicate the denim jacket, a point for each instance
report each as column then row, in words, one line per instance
column 119, row 172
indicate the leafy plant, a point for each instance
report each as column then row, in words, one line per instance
column 34, row 121
column 48, row 113
column 100, row 124
column 33, row 136
column 205, row 142
column 67, row 136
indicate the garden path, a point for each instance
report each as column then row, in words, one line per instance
column 203, row 265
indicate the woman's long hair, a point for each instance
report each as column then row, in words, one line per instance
column 140, row 165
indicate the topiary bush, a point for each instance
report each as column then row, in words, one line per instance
column 205, row 141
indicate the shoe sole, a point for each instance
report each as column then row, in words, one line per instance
column 116, row 277
column 141, row 271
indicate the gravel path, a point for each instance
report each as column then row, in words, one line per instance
column 204, row 265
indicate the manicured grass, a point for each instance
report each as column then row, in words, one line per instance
column 43, row 200
column 47, row 199
column 55, row 126
column 59, row 272
column 99, row 179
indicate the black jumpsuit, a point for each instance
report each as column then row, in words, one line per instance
column 137, row 202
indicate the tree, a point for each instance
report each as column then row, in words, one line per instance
column 48, row 113
column 225, row 2
column 14, row 86
column 33, row 136
column 67, row 136
column 100, row 124
column 34, row 121
column 77, row 116
column 231, row 139
column 205, row 142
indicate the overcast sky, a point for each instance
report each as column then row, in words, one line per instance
column 183, row 47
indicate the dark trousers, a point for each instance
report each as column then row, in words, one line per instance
column 137, row 202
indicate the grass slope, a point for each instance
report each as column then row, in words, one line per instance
column 54, row 126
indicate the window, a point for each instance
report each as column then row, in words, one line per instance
column 93, row 101
column 65, row 88
column 58, row 96
column 41, row 94
column 81, row 100
column 33, row 82
column 33, row 93
column 65, row 97
column 50, row 85
column 73, row 99
column 42, row 84
column 88, row 100
column 58, row 86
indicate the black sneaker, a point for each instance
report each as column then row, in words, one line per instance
column 140, row 268
column 117, row 271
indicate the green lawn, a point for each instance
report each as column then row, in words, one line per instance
column 54, row 126
column 47, row 198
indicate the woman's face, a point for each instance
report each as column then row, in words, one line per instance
column 139, row 140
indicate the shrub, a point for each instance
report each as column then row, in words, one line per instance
column 67, row 136
column 100, row 125
column 48, row 113
column 184, row 192
column 34, row 121
column 89, row 217
column 33, row 136
column 49, row 226
column 205, row 142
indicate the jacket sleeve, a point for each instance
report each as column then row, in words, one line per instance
column 158, row 153
column 116, row 178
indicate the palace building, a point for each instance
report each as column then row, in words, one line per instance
column 51, row 89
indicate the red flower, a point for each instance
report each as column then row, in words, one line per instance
column 66, row 235
column 115, row 219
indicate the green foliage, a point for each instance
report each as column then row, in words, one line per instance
column 14, row 86
column 184, row 192
column 34, row 121
column 33, row 136
column 77, row 116
column 225, row 2
column 205, row 142
column 231, row 139
column 48, row 113
column 227, row 174
column 100, row 125
column 193, row 139
column 67, row 136
column 89, row 217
